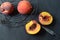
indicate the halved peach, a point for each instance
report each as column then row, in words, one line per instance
column 32, row 27
column 45, row 18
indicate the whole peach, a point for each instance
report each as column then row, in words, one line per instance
column 6, row 8
column 24, row 7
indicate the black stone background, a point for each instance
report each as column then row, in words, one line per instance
column 12, row 27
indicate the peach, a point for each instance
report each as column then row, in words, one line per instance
column 24, row 7
column 32, row 27
column 6, row 8
column 45, row 18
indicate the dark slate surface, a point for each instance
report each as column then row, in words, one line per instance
column 12, row 27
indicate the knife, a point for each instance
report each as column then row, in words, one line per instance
column 49, row 30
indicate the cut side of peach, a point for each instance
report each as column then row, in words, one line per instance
column 32, row 27
column 45, row 18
